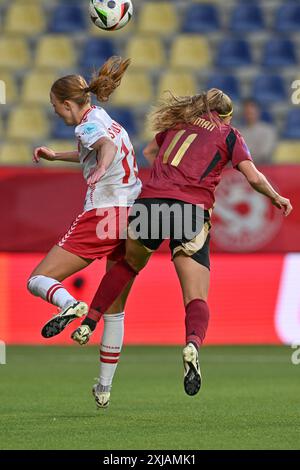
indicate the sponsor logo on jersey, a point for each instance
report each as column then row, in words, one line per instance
column 89, row 129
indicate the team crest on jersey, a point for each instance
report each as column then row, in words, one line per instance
column 243, row 219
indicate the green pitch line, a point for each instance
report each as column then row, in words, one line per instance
column 250, row 400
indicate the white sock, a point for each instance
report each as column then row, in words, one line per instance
column 50, row 290
column 110, row 348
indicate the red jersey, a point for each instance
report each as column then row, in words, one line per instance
column 190, row 161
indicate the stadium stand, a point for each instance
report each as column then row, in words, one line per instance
column 179, row 83
column 68, row 19
column 287, row 152
column 247, row 18
column 25, row 18
column 27, row 123
column 36, row 86
column 201, row 19
column 190, row 51
column 146, row 52
column 12, row 153
column 292, row 125
column 245, row 48
column 55, row 52
column 269, row 89
column 164, row 20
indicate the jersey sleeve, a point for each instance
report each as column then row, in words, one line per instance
column 89, row 132
column 160, row 137
column 239, row 149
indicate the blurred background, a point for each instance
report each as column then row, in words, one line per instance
column 249, row 49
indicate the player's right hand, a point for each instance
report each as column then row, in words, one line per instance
column 43, row 152
column 283, row 203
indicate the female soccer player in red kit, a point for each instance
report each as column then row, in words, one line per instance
column 195, row 141
column 107, row 158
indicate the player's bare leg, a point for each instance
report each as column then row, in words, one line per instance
column 45, row 282
column 194, row 280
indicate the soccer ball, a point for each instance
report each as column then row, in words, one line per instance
column 110, row 14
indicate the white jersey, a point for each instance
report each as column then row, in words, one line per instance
column 120, row 185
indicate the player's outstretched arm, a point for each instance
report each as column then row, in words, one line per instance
column 150, row 152
column 106, row 153
column 48, row 154
column 259, row 182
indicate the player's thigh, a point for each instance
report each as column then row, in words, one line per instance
column 193, row 276
column 119, row 304
column 137, row 255
column 60, row 264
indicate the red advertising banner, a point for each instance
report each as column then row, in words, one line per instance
column 38, row 206
column 246, row 221
column 254, row 299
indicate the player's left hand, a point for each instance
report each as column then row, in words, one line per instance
column 95, row 175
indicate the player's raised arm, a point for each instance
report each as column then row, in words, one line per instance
column 106, row 153
column 259, row 182
column 48, row 154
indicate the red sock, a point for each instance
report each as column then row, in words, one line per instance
column 196, row 321
column 111, row 286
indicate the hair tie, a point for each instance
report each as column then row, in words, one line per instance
column 228, row 114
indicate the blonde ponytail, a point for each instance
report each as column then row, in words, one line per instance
column 186, row 109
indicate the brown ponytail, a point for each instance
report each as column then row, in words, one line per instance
column 186, row 109
column 103, row 83
column 108, row 78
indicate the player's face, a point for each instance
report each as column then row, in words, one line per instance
column 63, row 110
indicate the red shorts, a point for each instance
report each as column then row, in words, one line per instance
column 97, row 233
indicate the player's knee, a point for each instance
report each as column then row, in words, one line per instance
column 135, row 263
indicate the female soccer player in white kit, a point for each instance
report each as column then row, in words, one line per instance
column 109, row 168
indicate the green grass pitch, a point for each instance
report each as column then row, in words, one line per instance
column 249, row 400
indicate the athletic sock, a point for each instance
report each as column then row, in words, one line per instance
column 50, row 290
column 110, row 348
column 196, row 321
column 111, row 286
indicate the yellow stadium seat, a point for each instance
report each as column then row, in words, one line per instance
column 135, row 89
column 36, row 87
column 190, row 51
column 61, row 146
column 287, row 152
column 146, row 52
column 178, row 83
column 24, row 18
column 27, row 123
column 158, row 18
column 8, row 88
column 15, row 153
column 14, row 53
column 55, row 51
